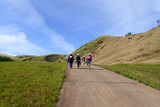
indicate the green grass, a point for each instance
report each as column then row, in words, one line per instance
column 145, row 73
column 30, row 83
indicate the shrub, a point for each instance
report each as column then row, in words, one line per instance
column 5, row 58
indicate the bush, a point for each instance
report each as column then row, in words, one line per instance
column 5, row 58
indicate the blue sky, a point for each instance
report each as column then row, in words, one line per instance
column 41, row 27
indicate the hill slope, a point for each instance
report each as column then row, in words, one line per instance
column 91, row 46
column 137, row 48
column 47, row 58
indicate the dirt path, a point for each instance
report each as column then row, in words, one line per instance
column 98, row 87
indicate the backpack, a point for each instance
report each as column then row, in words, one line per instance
column 89, row 58
column 70, row 58
column 78, row 58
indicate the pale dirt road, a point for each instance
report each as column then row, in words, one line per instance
column 98, row 87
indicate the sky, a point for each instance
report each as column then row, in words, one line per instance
column 42, row 27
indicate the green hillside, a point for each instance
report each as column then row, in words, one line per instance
column 91, row 46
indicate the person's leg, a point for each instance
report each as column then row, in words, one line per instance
column 70, row 64
column 78, row 64
column 89, row 64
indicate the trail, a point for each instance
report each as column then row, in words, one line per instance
column 98, row 87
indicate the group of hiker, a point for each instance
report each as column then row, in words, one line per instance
column 86, row 60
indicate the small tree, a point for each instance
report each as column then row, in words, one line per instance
column 5, row 57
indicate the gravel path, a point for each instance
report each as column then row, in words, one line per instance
column 98, row 87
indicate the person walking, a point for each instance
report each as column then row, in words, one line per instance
column 89, row 60
column 70, row 60
column 83, row 59
column 78, row 60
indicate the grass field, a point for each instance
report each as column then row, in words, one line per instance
column 145, row 73
column 30, row 83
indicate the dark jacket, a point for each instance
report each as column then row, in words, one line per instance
column 78, row 59
column 70, row 58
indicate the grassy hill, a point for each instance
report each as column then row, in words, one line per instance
column 91, row 46
column 137, row 48
column 46, row 58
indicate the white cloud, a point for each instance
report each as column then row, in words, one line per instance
column 16, row 42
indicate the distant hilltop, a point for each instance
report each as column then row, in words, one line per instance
column 44, row 58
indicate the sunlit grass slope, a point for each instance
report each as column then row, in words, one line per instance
column 91, row 46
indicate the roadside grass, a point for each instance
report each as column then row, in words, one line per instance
column 149, row 74
column 30, row 83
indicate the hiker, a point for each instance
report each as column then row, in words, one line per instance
column 70, row 60
column 83, row 59
column 78, row 60
column 89, row 60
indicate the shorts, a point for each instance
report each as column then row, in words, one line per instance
column 88, row 62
